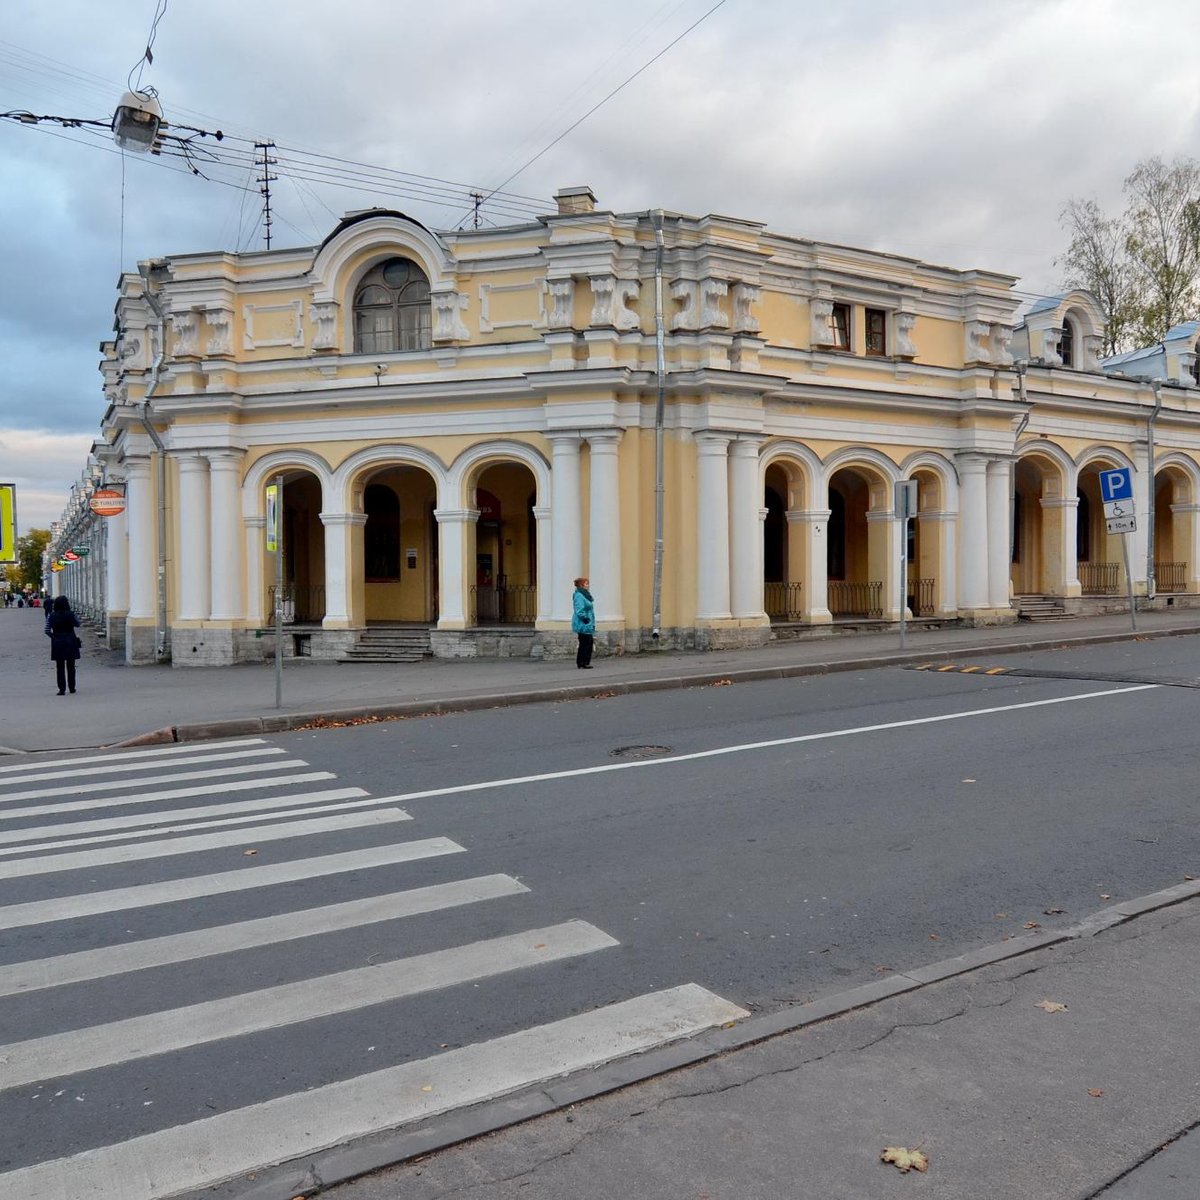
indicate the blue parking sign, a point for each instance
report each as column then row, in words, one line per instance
column 1116, row 485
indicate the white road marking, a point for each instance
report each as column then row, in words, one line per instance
column 147, row 895
column 147, row 824
column 63, row 1054
column 744, row 747
column 169, row 847
column 91, row 772
column 162, row 751
column 110, row 785
column 245, row 935
column 190, row 1157
column 66, row 806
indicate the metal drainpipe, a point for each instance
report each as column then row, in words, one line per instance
column 1012, row 478
column 1156, row 386
column 160, row 617
column 661, row 371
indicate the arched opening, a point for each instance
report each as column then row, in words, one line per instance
column 1043, row 520
column 857, row 547
column 1067, row 341
column 302, row 542
column 1174, row 518
column 1098, row 554
column 398, row 573
column 503, row 588
column 926, row 585
column 782, row 594
column 392, row 309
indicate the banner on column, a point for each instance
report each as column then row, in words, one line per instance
column 8, row 522
column 272, row 517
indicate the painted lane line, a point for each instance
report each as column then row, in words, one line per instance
column 244, row 935
column 245, row 879
column 745, row 747
column 124, row 768
column 78, row 860
column 190, row 1157
column 164, row 751
column 243, row 785
column 180, row 820
column 63, row 1054
column 112, row 785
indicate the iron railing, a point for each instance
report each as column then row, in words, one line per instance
column 922, row 603
column 856, row 599
column 304, row 603
column 784, row 601
column 1100, row 579
column 513, row 604
column 1170, row 576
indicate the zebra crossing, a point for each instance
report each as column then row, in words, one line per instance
column 192, row 989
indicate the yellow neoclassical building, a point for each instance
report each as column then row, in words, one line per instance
column 706, row 417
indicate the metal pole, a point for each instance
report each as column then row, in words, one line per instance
column 1129, row 581
column 660, row 370
column 278, row 532
column 903, row 571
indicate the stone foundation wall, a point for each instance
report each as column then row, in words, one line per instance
column 486, row 643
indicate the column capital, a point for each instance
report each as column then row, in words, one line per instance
column 562, row 440
column 190, row 460
column 350, row 519
column 449, row 516
column 744, row 446
column 709, row 442
column 1061, row 502
column 971, row 461
column 541, row 512
column 604, row 441
column 225, row 459
column 811, row 516
column 137, row 466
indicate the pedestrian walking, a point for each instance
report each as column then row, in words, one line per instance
column 583, row 622
column 61, row 624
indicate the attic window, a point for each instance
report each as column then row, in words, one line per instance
column 1066, row 347
column 392, row 309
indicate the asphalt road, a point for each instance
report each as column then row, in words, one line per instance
column 789, row 840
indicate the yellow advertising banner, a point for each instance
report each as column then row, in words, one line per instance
column 272, row 518
column 8, row 522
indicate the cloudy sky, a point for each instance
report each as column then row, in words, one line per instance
column 950, row 130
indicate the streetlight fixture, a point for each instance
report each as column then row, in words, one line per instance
column 137, row 121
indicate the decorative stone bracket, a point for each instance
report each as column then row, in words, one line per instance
column 324, row 315
column 185, row 326
column 745, row 296
column 612, row 297
column 902, row 329
column 560, row 295
column 448, row 325
column 821, row 320
column 219, row 318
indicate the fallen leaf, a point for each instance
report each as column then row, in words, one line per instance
column 539, row 945
column 933, row 937
column 881, row 969
column 427, row 1087
column 1032, row 925
column 968, row 781
column 1050, row 912
column 247, row 853
column 1051, row 1006
column 1105, row 896
column 1189, row 878
column 905, row 1160
column 721, row 683
column 1095, row 1091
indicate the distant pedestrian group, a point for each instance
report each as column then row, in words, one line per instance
column 65, row 645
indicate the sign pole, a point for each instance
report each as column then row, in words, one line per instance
column 905, row 504
column 1129, row 581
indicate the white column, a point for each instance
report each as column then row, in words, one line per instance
column 545, row 570
column 454, row 525
column 339, row 529
column 566, row 519
column 973, row 542
column 142, row 552
column 1189, row 513
column 604, row 524
column 942, row 527
column 1062, row 516
column 225, row 469
column 745, row 529
column 712, row 527
column 884, row 532
column 194, row 549
column 999, row 473
column 1143, row 499
column 815, row 597
column 256, row 592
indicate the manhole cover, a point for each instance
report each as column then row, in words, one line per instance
column 639, row 751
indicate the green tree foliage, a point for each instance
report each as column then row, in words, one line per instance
column 27, row 571
column 1143, row 265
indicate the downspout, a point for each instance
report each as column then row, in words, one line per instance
column 1156, row 385
column 661, row 373
column 160, row 616
column 1012, row 475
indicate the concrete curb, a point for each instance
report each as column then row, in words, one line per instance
column 330, row 1168
column 398, row 710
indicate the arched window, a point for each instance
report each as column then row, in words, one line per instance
column 1066, row 348
column 835, row 543
column 391, row 309
column 1196, row 364
column 381, row 537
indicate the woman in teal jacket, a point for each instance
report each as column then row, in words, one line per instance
column 583, row 622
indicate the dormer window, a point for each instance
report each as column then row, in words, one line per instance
column 876, row 323
column 1196, row 364
column 392, row 309
column 1066, row 345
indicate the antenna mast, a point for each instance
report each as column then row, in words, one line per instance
column 264, row 185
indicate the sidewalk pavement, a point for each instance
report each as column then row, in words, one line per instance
column 117, row 704
column 1069, row 1072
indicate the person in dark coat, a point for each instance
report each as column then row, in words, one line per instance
column 61, row 624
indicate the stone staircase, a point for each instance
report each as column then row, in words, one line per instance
column 390, row 644
column 1041, row 608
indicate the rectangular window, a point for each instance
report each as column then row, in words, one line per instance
column 876, row 331
column 375, row 332
column 839, row 324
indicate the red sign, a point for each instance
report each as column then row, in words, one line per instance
column 70, row 556
column 107, row 502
